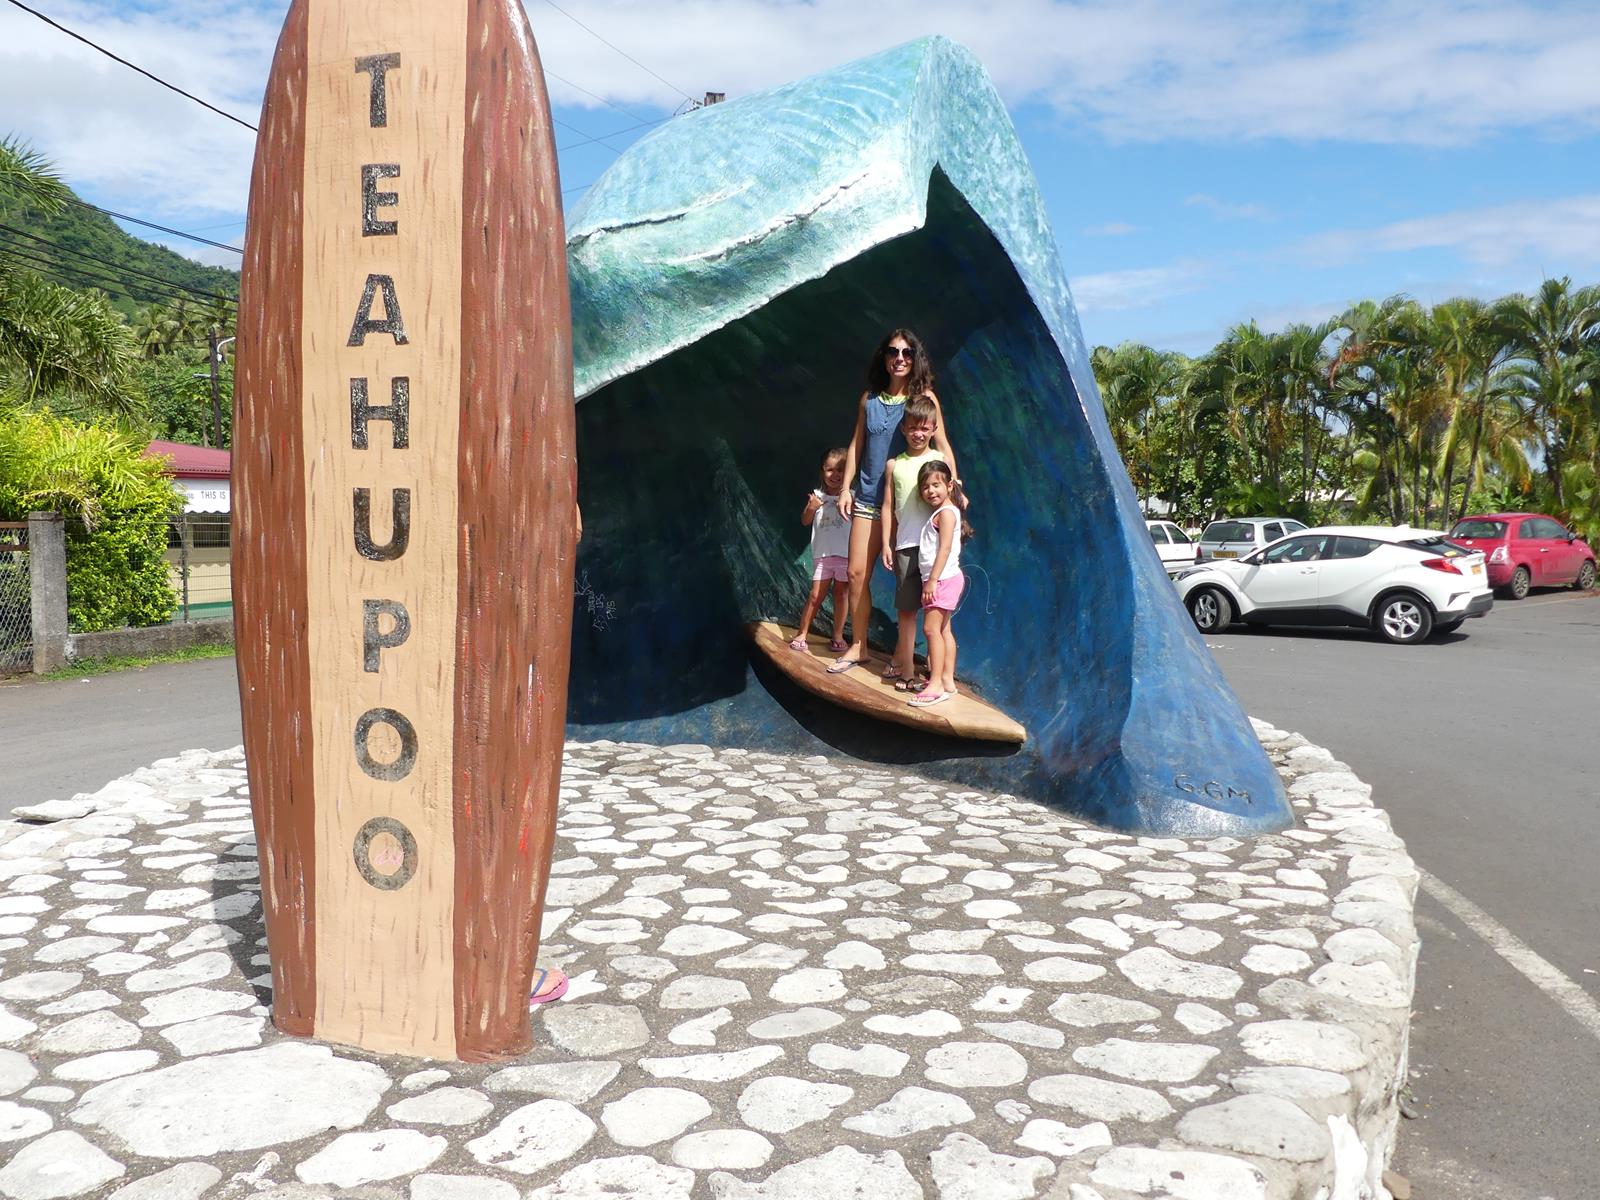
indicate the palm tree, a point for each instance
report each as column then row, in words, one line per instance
column 55, row 338
column 1134, row 380
column 26, row 178
column 1555, row 333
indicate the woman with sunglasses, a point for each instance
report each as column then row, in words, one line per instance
column 898, row 370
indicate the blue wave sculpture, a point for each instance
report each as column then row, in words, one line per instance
column 731, row 273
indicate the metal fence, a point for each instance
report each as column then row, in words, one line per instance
column 200, row 561
column 16, row 599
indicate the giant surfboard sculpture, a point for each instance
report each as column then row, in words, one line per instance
column 403, row 521
column 731, row 274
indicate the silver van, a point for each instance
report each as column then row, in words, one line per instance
column 1239, row 536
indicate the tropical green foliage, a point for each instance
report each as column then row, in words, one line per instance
column 1389, row 411
column 177, row 396
column 119, row 499
column 82, row 248
column 54, row 340
column 83, row 389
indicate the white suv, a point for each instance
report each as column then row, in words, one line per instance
column 1403, row 583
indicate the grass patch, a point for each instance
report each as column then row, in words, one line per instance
column 82, row 667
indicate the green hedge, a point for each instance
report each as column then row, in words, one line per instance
column 120, row 501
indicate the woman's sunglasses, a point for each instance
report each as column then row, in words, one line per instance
column 900, row 352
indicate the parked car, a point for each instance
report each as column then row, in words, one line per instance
column 1403, row 583
column 1527, row 550
column 1176, row 548
column 1234, row 538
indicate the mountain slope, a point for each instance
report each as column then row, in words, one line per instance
column 84, row 248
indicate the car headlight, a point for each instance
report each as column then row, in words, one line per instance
column 1188, row 571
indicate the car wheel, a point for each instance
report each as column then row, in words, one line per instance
column 1585, row 579
column 1403, row 619
column 1211, row 610
column 1521, row 581
column 1449, row 626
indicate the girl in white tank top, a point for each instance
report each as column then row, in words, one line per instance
column 939, row 556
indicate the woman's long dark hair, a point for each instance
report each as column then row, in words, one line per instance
column 921, row 379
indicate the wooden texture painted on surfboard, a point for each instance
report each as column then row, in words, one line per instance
column 404, row 520
column 862, row 689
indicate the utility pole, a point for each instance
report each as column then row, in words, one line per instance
column 216, row 385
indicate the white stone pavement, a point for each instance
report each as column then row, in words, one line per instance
column 793, row 979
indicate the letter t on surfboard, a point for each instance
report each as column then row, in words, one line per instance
column 404, row 521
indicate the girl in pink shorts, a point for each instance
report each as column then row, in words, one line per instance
column 830, row 551
column 939, row 556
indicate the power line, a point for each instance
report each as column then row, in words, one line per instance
column 615, row 47
column 594, row 95
column 614, row 133
column 83, row 254
column 152, row 225
column 80, row 277
column 134, row 67
column 72, row 276
column 112, row 274
column 601, row 138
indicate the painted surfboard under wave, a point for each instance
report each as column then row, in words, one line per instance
column 863, row 690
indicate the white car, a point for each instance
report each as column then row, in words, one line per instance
column 1176, row 548
column 1403, row 583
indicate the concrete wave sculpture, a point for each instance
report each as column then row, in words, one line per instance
column 731, row 273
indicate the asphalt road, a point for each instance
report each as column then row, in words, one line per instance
column 1481, row 745
column 75, row 735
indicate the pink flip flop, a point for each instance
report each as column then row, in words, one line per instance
column 838, row 646
column 800, row 643
column 928, row 699
column 548, row 984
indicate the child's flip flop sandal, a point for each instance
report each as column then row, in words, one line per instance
column 548, row 984
column 929, row 699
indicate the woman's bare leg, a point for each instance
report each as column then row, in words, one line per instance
column 841, row 608
column 866, row 540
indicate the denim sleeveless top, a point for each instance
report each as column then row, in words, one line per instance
column 883, row 440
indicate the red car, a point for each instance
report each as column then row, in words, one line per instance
column 1527, row 550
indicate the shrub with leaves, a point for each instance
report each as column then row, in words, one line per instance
column 120, row 502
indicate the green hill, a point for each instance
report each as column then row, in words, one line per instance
column 84, row 248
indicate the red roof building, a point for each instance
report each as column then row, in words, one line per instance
column 202, row 473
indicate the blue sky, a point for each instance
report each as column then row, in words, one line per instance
column 1203, row 163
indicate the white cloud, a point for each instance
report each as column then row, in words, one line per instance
column 1140, row 287
column 1426, row 72
column 1111, row 229
column 1558, row 234
column 110, row 131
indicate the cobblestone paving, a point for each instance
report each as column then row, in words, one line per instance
column 792, row 978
